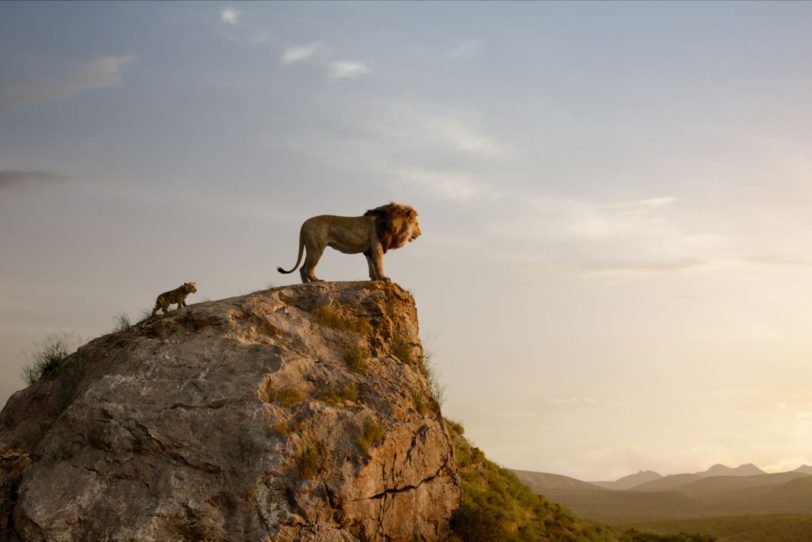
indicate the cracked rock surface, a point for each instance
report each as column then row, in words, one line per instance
column 296, row 413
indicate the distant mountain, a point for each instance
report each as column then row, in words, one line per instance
column 630, row 481
column 539, row 482
column 742, row 470
column 804, row 469
column 737, row 488
column 668, row 483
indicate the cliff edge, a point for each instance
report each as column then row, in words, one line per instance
column 295, row 413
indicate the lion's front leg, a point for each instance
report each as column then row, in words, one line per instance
column 376, row 264
column 373, row 274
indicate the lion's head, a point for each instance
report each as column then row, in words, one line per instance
column 189, row 287
column 397, row 224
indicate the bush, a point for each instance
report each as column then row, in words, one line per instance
column 47, row 358
column 355, row 356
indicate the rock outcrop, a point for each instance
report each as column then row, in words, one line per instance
column 296, row 413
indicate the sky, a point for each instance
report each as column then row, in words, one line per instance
column 615, row 271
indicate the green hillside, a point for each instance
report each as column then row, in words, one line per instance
column 496, row 507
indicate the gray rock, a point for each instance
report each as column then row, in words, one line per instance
column 238, row 419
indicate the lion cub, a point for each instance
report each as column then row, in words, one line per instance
column 176, row 296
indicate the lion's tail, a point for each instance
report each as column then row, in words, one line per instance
column 299, row 257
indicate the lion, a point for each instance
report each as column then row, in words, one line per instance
column 176, row 296
column 378, row 230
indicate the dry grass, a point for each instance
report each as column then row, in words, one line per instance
column 355, row 356
column 348, row 393
column 286, row 427
column 335, row 318
column 402, row 348
column 371, row 435
column 287, row 396
column 47, row 357
column 312, row 459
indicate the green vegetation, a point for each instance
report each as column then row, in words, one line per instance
column 355, row 356
column 334, row 318
column 371, row 435
column 312, row 459
column 496, row 507
column 47, row 358
column 346, row 393
column 744, row 528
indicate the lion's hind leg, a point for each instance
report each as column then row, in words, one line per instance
column 309, row 266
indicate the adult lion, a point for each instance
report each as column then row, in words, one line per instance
column 378, row 230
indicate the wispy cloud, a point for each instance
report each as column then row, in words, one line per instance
column 299, row 53
column 430, row 129
column 230, row 15
column 447, row 186
column 12, row 178
column 628, row 238
column 261, row 36
column 464, row 48
column 102, row 72
column 348, row 69
column 573, row 402
column 645, row 268
column 776, row 260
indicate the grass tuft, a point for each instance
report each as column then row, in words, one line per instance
column 47, row 358
column 334, row 318
column 346, row 393
column 402, row 348
column 121, row 322
column 312, row 460
column 371, row 435
column 355, row 356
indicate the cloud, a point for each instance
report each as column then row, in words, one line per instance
column 432, row 130
column 11, row 178
column 261, row 36
column 645, row 268
column 299, row 53
column 776, row 260
column 102, row 72
column 348, row 69
column 447, row 186
column 230, row 15
column 573, row 402
column 627, row 238
column 464, row 48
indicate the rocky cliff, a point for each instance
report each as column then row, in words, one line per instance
column 296, row 413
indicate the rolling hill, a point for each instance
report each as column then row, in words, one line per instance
column 630, row 481
column 682, row 496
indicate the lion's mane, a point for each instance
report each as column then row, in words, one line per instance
column 393, row 224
